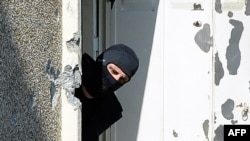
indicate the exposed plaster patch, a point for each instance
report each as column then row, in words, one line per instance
column 219, row 71
column 219, row 133
column 73, row 44
column 233, row 53
column 205, row 126
column 227, row 109
column 203, row 38
column 69, row 80
column 218, row 6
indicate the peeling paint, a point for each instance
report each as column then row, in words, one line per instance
column 218, row 6
column 197, row 23
column 227, row 109
column 197, row 6
column 219, row 133
column 175, row 134
column 249, row 86
column 215, row 118
column 219, row 71
column 205, row 126
column 247, row 11
column 232, row 5
column 233, row 53
column 69, row 80
column 234, row 122
column 73, row 44
column 203, row 39
column 230, row 14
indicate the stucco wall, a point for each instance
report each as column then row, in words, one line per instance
column 30, row 51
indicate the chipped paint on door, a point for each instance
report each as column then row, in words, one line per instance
column 225, row 36
column 197, row 67
column 231, row 44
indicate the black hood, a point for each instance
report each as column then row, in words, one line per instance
column 122, row 56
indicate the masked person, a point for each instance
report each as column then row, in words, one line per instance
column 100, row 79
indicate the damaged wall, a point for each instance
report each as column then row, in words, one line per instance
column 30, row 53
column 39, row 70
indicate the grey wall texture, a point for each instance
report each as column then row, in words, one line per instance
column 30, row 50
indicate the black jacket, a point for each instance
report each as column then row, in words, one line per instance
column 98, row 114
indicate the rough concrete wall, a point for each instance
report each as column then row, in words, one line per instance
column 30, row 51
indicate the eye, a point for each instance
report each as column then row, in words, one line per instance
column 115, row 72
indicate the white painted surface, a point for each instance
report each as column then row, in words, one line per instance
column 71, row 123
column 188, row 73
column 233, row 87
column 173, row 93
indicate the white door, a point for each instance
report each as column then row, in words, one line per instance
column 187, row 69
column 194, row 72
column 170, row 94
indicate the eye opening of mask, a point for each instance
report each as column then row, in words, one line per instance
column 117, row 73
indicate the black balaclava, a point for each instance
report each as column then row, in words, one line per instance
column 96, row 78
